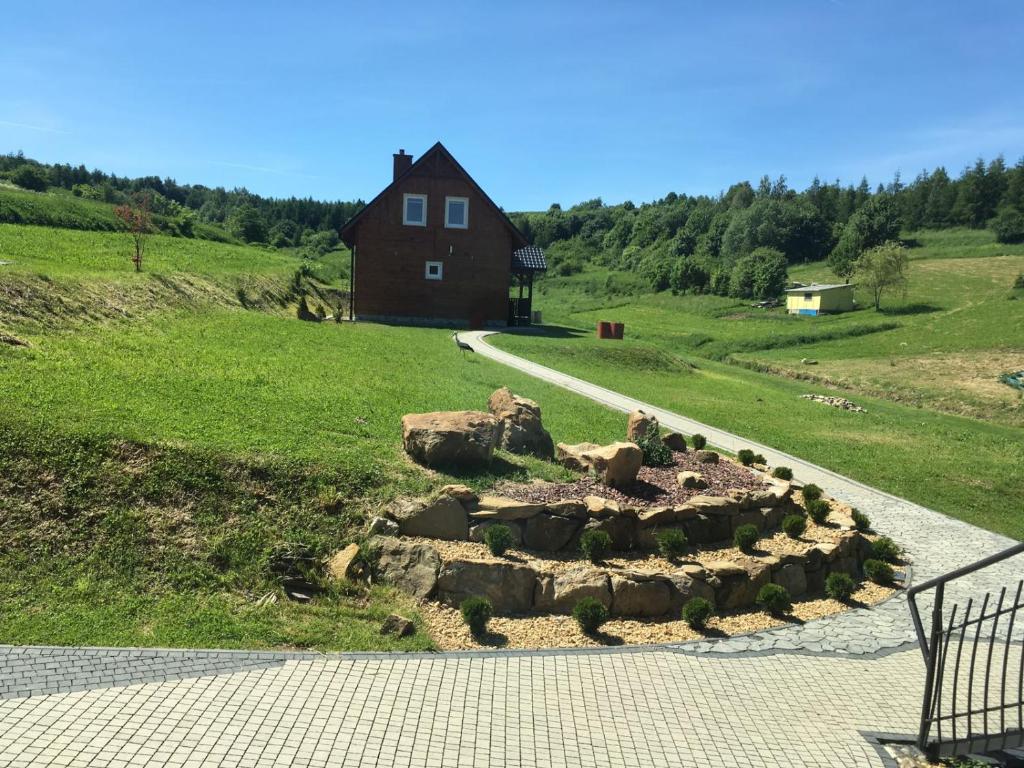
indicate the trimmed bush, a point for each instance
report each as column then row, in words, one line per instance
column 590, row 614
column 774, row 598
column 783, row 473
column 697, row 612
column 839, row 586
column 699, row 441
column 817, row 510
column 595, row 544
column 476, row 612
column 498, row 539
column 671, row 543
column 794, row 526
column 878, row 571
column 745, row 537
column 860, row 521
column 886, row 550
column 811, row 492
column 746, row 457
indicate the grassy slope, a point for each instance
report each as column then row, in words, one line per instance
column 962, row 466
column 149, row 467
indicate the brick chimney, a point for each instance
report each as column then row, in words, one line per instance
column 402, row 163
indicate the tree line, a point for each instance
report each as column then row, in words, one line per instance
column 281, row 222
column 740, row 242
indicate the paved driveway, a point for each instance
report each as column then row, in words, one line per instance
column 814, row 695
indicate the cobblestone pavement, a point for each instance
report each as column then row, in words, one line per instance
column 820, row 694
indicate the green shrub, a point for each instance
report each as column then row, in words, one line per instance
column 745, row 537
column 31, row 177
column 811, row 492
column 476, row 612
column 656, row 453
column 746, row 457
column 590, row 614
column 760, row 459
column 774, row 598
column 817, row 510
column 1008, row 226
column 1019, row 282
column 699, row 441
column 839, row 586
column 886, row 549
column 697, row 612
column 671, row 543
column 878, row 571
column 498, row 539
column 860, row 521
column 794, row 526
column 783, row 473
column 595, row 544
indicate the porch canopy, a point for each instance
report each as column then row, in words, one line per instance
column 526, row 261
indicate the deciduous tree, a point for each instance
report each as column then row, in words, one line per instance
column 883, row 268
column 139, row 224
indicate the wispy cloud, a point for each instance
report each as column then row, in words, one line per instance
column 264, row 169
column 27, row 126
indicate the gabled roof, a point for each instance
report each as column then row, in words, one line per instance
column 815, row 287
column 348, row 226
column 529, row 259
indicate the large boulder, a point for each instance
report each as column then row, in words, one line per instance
column 559, row 592
column 443, row 518
column 674, row 442
column 451, row 438
column 739, row 584
column 615, row 465
column 692, row 480
column 635, row 594
column 522, row 431
column 550, row 532
column 508, row 586
column 410, row 567
column 640, row 425
column 793, row 578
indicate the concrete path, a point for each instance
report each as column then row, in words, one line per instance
column 817, row 695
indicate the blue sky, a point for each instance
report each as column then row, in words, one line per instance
column 541, row 102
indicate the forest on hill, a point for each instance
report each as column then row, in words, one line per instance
column 737, row 243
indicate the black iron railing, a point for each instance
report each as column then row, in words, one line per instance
column 974, row 657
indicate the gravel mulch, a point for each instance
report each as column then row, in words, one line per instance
column 654, row 487
column 548, row 631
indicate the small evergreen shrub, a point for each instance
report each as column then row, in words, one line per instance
column 590, row 614
column 817, row 510
column 839, row 586
column 671, row 543
column 860, row 521
column 699, row 441
column 476, row 612
column 498, row 539
column 811, row 492
column 886, row 550
column 774, row 598
column 760, row 459
column 794, row 526
column 783, row 473
column 595, row 544
column 697, row 612
column 746, row 457
column 878, row 571
column 745, row 537
column 656, row 453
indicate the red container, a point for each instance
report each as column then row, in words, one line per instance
column 604, row 329
column 618, row 329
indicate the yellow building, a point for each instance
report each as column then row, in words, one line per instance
column 819, row 299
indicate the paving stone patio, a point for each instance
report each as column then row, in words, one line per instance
column 814, row 695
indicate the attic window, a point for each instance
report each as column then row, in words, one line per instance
column 434, row 270
column 456, row 212
column 414, row 210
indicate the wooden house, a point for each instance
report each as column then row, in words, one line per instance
column 433, row 248
column 819, row 299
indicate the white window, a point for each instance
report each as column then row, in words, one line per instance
column 414, row 210
column 434, row 270
column 456, row 212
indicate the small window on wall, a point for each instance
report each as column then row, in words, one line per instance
column 414, row 210
column 434, row 270
column 456, row 212
column 808, row 296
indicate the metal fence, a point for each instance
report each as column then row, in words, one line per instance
column 974, row 656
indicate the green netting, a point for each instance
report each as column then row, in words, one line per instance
column 1015, row 380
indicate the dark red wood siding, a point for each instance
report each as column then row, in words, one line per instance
column 391, row 258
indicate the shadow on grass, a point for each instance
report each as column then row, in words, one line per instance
column 499, row 469
column 548, row 331
column 919, row 308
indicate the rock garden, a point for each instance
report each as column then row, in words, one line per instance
column 656, row 539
